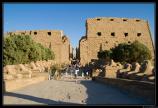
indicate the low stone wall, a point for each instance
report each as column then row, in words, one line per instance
column 139, row 88
column 20, row 71
column 21, row 75
column 11, row 85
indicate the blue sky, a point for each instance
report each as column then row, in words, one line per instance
column 71, row 17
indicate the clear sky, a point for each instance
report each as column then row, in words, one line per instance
column 71, row 17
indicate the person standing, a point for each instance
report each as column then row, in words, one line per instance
column 82, row 71
column 76, row 71
column 67, row 69
column 87, row 75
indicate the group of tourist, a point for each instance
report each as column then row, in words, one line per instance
column 75, row 69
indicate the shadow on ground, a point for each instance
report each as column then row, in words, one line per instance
column 101, row 94
column 37, row 99
column 98, row 94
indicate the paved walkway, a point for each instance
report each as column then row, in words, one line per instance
column 70, row 92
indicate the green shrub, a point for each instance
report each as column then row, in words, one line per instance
column 135, row 52
column 121, row 53
column 19, row 49
column 139, row 52
column 104, row 54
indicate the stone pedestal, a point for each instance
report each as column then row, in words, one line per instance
column 111, row 72
column 95, row 72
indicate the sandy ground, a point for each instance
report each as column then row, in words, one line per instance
column 12, row 85
column 68, row 91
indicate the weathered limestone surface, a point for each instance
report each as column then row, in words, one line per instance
column 111, row 72
column 14, row 76
column 112, row 69
column 53, row 39
column 99, row 35
column 131, row 74
column 126, row 69
column 95, row 72
column 26, row 70
column 103, row 69
column 147, row 69
column 136, row 69
column 144, row 72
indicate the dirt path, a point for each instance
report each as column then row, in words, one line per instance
column 70, row 92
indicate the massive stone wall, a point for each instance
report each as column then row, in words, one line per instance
column 53, row 39
column 105, row 33
column 71, row 52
